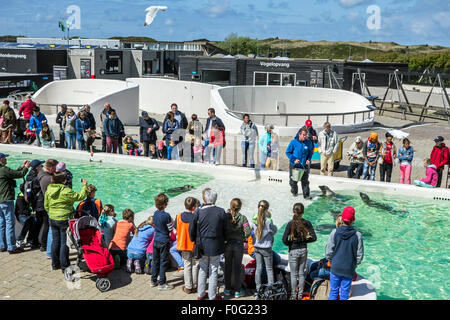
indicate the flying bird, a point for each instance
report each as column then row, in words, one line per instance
column 151, row 14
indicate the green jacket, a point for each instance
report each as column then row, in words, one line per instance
column 59, row 200
column 7, row 183
column 240, row 230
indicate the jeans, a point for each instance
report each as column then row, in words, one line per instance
column 218, row 154
column 81, row 144
column 208, row 266
column 160, row 262
column 405, row 173
column 136, row 256
column 71, row 140
column 351, row 173
column 304, row 182
column 27, row 223
column 176, row 255
column 208, row 150
column 366, row 170
column 60, row 250
column 297, row 263
column 342, row 283
column 234, row 251
column 7, row 225
column 248, row 151
column 266, row 256
column 191, row 267
column 386, row 171
column 262, row 160
column 49, row 242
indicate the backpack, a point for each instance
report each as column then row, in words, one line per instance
column 320, row 290
column 276, row 291
column 28, row 192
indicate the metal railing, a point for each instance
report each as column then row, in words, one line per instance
column 365, row 115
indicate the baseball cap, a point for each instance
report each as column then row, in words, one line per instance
column 2, row 155
column 61, row 166
column 348, row 215
column 308, row 123
column 358, row 139
column 36, row 163
column 144, row 113
column 439, row 138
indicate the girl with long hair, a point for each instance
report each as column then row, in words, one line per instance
column 136, row 250
column 234, row 248
column 264, row 236
column 297, row 234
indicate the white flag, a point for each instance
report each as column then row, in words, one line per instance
column 151, row 13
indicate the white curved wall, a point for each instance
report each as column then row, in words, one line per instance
column 122, row 95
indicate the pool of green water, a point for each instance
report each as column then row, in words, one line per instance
column 406, row 249
column 125, row 187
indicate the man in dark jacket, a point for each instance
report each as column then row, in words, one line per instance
column 103, row 115
column 90, row 116
column 345, row 250
column 7, row 197
column 147, row 131
column 59, row 120
column 299, row 153
column 112, row 127
column 208, row 230
column 179, row 116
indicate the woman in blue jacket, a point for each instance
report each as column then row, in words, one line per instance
column 169, row 126
column 82, row 125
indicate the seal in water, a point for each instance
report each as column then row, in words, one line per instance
column 379, row 205
column 182, row 189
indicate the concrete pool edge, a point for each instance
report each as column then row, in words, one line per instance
column 277, row 178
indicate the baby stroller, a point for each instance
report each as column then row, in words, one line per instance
column 86, row 236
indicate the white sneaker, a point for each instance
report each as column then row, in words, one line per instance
column 165, row 287
column 20, row 244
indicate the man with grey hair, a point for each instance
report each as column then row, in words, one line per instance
column 328, row 145
column 208, row 230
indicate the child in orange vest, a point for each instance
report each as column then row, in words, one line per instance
column 186, row 245
column 123, row 232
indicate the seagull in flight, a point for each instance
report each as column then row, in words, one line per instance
column 151, row 14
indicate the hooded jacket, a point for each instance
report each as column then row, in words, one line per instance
column 345, row 250
column 69, row 124
column 266, row 241
column 249, row 132
column 81, row 126
column 328, row 143
column 432, row 176
column 440, row 156
column 9, row 114
column 112, row 127
column 299, row 150
column 36, row 122
column 59, row 200
column 239, row 231
column 140, row 242
column 144, row 125
column 26, row 108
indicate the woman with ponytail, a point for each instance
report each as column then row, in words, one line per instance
column 263, row 241
column 297, row 234
column 234, row 248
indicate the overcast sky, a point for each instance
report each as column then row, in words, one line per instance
column 403, row 21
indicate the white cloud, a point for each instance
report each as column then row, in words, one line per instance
column 350, row 3
column 217, row 8
column 443, row 19
column 168, row 22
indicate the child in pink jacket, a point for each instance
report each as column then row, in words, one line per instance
column 430, row 181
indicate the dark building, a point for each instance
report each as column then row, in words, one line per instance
column 23, row 69
column 232, row 71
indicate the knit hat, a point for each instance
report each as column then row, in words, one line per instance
column 374, row 136
column 160, row 145
column 348, row 215
column 61, row 166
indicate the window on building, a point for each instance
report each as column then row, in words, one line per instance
column 148, row 64
column 85, row 68
column 274, row 79
column 113, row 62
column 216, row 76
column 288, row 79
column 260, row 79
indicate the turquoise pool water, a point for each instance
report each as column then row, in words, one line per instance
column 122, row 186
column 406, row 250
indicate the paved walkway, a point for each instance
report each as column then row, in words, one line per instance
column 29, row 276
